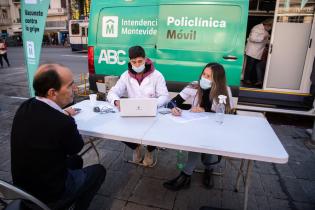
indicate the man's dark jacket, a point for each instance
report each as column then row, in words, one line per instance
column 41, row 139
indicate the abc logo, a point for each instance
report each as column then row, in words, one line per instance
column 111, row 57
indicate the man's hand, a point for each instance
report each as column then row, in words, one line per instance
column 117, row 104
column 197, row 109
column 70, row 111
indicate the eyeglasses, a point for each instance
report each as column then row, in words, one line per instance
column 103, row 110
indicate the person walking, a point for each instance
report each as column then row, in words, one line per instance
column 3, row 53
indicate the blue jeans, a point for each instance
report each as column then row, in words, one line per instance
column 191, row 163
column 81, row 186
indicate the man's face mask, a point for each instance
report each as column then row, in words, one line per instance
column 138, row 69
column 205, row 83
column 138, row 64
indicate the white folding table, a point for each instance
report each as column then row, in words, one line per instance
column 110, row 125
column 244, row 137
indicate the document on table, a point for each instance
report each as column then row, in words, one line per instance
column 188, row 116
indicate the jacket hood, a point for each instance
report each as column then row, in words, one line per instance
column 149, row 69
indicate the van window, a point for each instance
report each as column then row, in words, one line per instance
column 132, row 25
column 212, row 28
column 75, row 29
column 83, row 31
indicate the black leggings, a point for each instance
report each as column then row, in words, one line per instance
column 250, row 73
column 5, row 56
column 134, row 146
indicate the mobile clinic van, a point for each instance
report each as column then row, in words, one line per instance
column 180, row 36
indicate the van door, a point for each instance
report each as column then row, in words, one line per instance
column 290, row 45
column 192, row 35
column 119, row 28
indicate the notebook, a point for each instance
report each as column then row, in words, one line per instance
column 138, row 107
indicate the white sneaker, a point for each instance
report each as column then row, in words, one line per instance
column 136, row 156
column 148, row 158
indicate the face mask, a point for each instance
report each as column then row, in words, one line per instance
column 205, row 83
column 138, row 69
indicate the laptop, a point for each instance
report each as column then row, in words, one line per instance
column 138, row 107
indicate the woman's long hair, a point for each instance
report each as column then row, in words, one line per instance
column 218, row 86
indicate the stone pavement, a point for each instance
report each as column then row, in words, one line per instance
column 127, row 186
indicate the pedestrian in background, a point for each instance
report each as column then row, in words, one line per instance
column 3, row 53
column 256, row 42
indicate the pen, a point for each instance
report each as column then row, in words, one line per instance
column 174, row 106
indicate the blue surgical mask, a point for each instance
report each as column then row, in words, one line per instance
column 205, row 83
column 139, row 69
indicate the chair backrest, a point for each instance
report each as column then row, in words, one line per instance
column 10, row 192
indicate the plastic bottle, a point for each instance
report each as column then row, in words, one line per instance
column 180, row 160
column 220, row 109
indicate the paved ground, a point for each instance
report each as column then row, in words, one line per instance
column 274, row 186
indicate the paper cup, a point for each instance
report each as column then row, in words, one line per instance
column 93, row 99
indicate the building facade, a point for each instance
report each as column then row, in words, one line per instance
column 56, row 24
column 10, row 21
column 56, row 29
column 80, row 9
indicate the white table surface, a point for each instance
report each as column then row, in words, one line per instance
column 111, row 125
column 244, row 137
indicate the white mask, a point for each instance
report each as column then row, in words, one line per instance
column 139, row 69
column 205, row 83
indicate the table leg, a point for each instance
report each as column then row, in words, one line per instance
column 239, row 175
column 310, row 143
column 247, row 182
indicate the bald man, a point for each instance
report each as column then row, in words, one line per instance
column 45, row 142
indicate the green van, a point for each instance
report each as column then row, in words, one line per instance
column 180, row 36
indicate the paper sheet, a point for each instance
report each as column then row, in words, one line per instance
column 188, row 116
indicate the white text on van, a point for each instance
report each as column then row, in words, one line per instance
column 111, row 57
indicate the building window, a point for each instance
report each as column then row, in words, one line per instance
column 4, row 14
column 63, row 4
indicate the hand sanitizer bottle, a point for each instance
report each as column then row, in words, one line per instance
column 220, row 109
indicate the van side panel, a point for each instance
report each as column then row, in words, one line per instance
column 194, row 34
column 179, row 36
column 120, row 28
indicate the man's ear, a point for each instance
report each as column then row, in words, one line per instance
column 51, row 93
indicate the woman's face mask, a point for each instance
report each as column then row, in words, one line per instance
column 138, row 69
column 205, row 83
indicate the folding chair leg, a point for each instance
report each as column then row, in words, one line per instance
column 96, row 151
column 91, row 142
